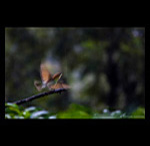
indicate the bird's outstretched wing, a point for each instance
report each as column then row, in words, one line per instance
column 45, row 74
column 58, row 86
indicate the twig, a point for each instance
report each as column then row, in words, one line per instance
column 39, row 95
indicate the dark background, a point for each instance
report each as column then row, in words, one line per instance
column 105, row 67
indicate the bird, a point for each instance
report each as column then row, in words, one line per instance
column 46, row 78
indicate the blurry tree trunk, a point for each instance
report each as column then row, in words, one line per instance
column 112, row 74
column 112, row 69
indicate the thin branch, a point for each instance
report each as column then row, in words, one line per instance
column 39, row 95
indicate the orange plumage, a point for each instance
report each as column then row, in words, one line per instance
column 58, row 86
column 45, row 74
column 56, row 75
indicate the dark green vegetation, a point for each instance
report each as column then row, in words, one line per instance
column 105, row 68
column 74, row 111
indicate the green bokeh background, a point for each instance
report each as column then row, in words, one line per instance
column 105, row 67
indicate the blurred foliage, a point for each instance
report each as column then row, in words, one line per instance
column 75, row 111
column 105, row 68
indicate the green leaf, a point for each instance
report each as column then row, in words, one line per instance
column 138, row 113
column 11, row 105
column 75, row 111
column 26, row 114
column 74, row 115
